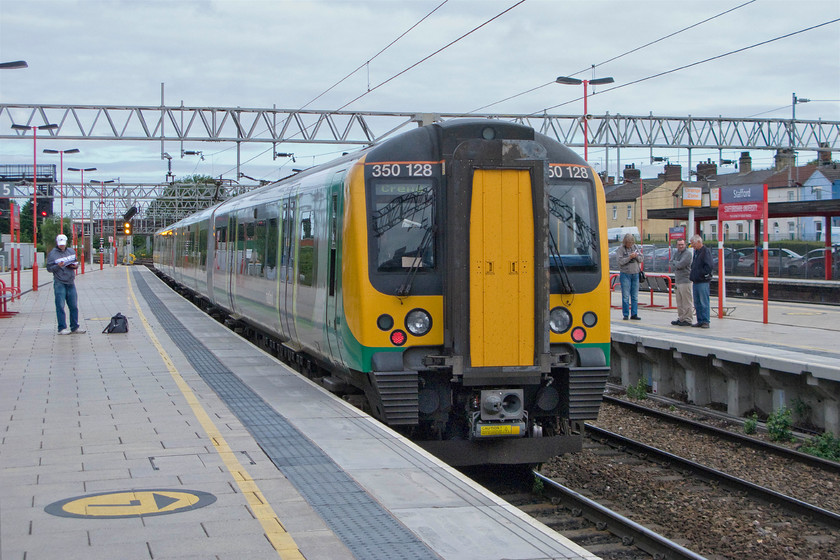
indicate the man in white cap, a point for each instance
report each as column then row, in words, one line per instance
column 61, row 261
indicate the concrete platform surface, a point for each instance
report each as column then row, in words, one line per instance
column 180, row 440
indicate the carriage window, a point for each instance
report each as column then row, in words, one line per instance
column 402, row 224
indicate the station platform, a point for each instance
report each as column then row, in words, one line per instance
column 181, row 440
column 740, row 362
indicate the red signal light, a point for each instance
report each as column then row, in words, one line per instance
column 43, row 213
column 398, row 338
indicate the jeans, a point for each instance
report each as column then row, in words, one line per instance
column 701, row 301
column 629, row 293
column 66, row 293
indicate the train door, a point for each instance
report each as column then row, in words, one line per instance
column 333, row 319
column 501, row 277
column 287, row 267
column 232, row 254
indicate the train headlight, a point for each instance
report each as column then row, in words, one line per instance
column 560, row 320
column 418, row 322
column 385, row 322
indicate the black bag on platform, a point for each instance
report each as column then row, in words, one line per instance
column 118, row 324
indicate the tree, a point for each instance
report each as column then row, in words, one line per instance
column 48, row 230
column 26, row 222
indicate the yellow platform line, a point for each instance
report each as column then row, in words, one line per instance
column 274, row 530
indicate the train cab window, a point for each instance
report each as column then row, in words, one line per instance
column 402, row 224
column 573, row 235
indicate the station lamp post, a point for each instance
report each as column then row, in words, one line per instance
column 61, row 187
column 101, row 211
column 82, row 170
column 792, row 138
column 35, row 130
column 565, row 80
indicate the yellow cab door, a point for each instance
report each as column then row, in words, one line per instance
column 501, row 269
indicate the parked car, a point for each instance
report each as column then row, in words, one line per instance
column 613, row 258
column 812, row 265
column 732, row 260
column 657, row 260
column 779, row 261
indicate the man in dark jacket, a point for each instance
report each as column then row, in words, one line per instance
column 701, row 275
column 61, row 261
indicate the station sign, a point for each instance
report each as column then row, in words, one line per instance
column 692, row 196
column 714, row 197
column 741, row 203
column 677, row 232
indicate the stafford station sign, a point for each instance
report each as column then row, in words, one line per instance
column 741, row 203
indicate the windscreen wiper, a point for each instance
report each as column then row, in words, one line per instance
column 565, row 282
column 405, row 287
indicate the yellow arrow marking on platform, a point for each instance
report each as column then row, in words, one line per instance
column 133, row 503
column 277, row 535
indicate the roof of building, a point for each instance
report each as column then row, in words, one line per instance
column 831, row 172
column 790, row 176
column 627, row 192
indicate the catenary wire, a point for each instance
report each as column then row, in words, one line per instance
column 368, row 61
column 424, row 59
column 619, row 56
column 696, row 63
column 389, row 45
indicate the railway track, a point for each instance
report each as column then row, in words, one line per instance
column 591, row 525
column 716, row 492
column 741, row 439
column 799, row 507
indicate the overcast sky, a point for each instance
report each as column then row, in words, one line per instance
column 284, row 53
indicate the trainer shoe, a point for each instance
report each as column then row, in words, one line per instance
column 677, row 322
column 78, row 331
column 704, row 325
column 635, row 317
column 64, row 331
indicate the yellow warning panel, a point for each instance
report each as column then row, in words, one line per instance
column 130, row 503
column 501, row 269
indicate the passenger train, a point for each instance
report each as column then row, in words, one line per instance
column 452, row 280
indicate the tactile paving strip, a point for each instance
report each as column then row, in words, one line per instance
column 365, row 527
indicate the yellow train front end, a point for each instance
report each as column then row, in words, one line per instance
column 474, row 289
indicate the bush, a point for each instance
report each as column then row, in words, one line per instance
column 825, row 445
column 779, row 425
column 638, row 391
column 751, row 424
column 537, row 487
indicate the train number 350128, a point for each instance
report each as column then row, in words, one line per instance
column 568, row 172
column 401, row 170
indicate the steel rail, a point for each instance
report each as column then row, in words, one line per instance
column 811, row 460
column 641, row 537
column 819, row 514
